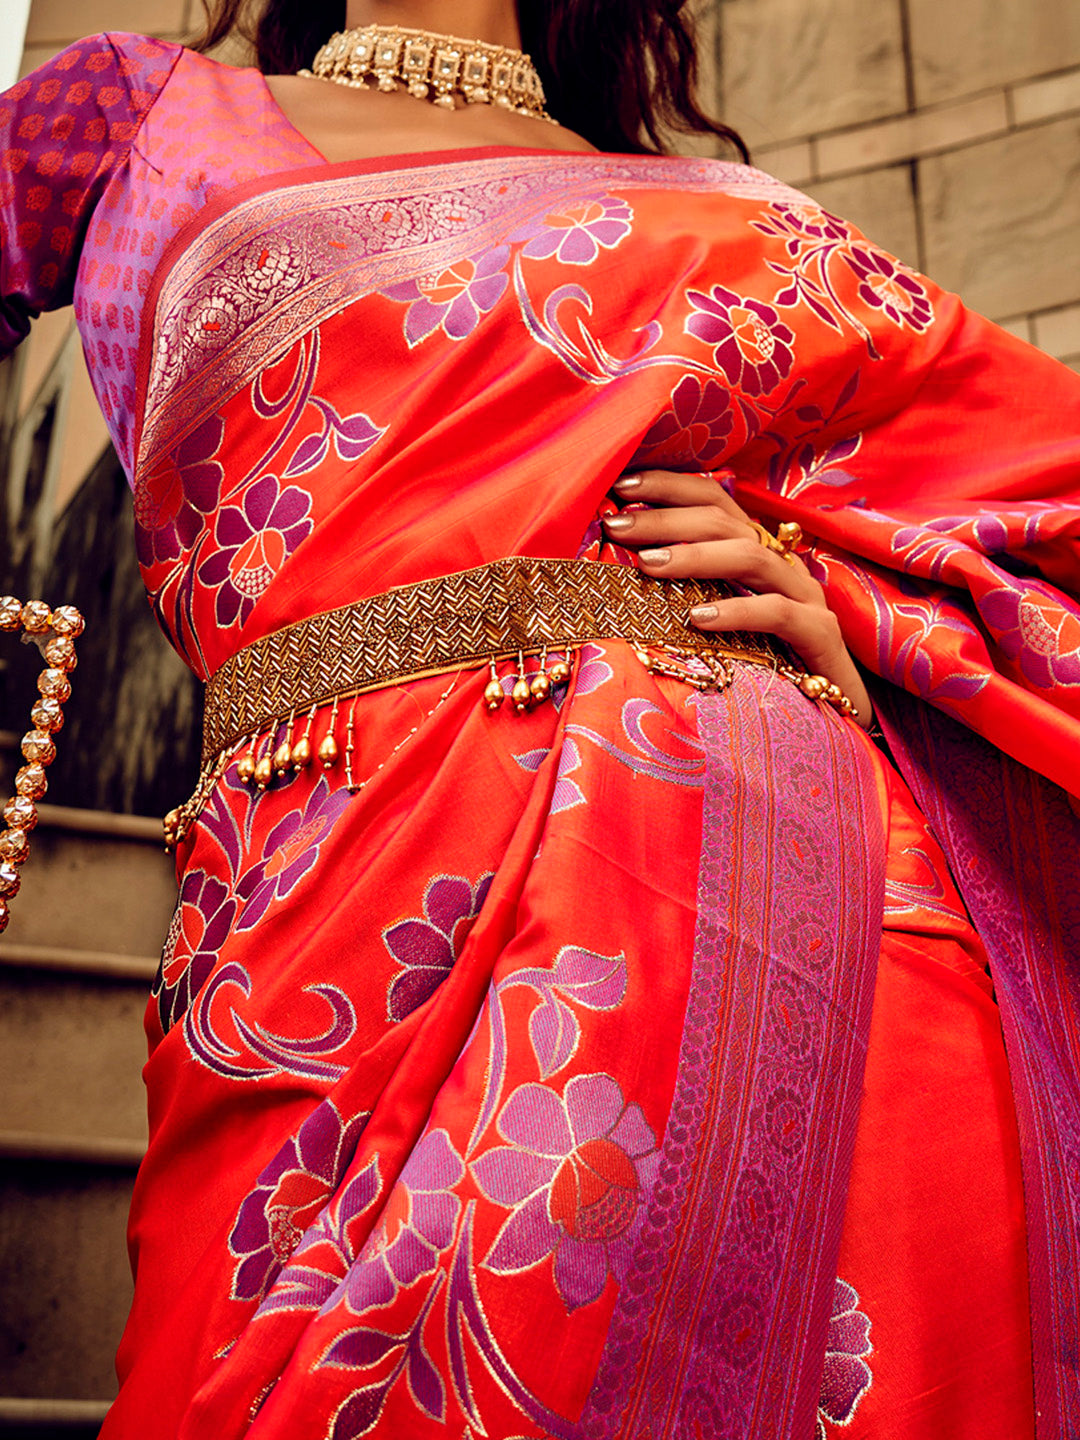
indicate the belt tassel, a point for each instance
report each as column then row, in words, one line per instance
column 503, row 611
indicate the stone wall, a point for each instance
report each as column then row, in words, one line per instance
column 950, row 132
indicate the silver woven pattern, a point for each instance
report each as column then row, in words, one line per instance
column 456, row 622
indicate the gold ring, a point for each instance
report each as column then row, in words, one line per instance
column 788, row 535
column 783, row 542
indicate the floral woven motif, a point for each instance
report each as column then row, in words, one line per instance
column 513, row 1089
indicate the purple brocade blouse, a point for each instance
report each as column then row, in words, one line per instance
column 95, row 150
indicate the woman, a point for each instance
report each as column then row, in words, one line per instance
column 535, row 1068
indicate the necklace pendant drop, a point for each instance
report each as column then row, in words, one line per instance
column 441, row 69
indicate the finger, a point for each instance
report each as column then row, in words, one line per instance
column 813, row 633
column 742, row 559
column 670, row 487
column 674, row 526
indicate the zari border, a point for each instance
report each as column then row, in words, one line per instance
column 273, row 260
column 720, row 1327
column 1013, row 844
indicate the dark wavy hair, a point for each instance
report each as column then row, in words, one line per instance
column 622, row 73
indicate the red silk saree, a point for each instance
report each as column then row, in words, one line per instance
column 545, row 1085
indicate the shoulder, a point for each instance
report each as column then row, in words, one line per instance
column 111, row 68
column 693, row 174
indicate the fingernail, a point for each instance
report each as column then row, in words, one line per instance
column 628, row 483
column 619, row 524
column 654, row 557
column 701, row 613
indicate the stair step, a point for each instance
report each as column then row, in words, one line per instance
column 65, row 1283
column 101, row 963
column 72, row 1049
column 94, row 882
column 68, row 1417
column 75, row 967
column 114, row 1153
column 102, row 822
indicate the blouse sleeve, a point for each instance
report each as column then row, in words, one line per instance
column 64, row 130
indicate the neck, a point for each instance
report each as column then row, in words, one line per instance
column 494, row 21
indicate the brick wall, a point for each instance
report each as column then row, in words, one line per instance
column 949, row 130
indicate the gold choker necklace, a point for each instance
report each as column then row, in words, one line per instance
column 425, row 63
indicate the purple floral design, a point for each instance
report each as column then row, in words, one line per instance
column 416, row 1225
column 313, row 1273
column 288, row 1196
column 989, row 534
column 647, row 757
column 576, row 233
column 352, row 438
column 992, row 533
column 365, row 1347
column 797, row 468
column 847, row 1376
column 255, row 538
column 290, row 851
column 254, row 1053
column 695, row 431
column 577, row 1171
column 592, row 669
column 1031, row 629
column 929, row 548
column 567, row 792
column 455, row 298
column 198, row 929
column 752, row 345
column 426, row 946
column 805, row 221
column 889, row 286
column 171, row 508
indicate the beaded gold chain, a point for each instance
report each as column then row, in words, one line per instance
column 55, row 632
column 432, row 67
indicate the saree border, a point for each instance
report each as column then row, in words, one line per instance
column 351, row 230
column 1013, row 841
column 715, row 1328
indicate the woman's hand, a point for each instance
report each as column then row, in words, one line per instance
column 696, row 530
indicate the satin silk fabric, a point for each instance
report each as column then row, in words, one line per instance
column 517, row 1093
column 829, row 399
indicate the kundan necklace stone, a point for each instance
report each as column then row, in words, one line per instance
column 432, row 67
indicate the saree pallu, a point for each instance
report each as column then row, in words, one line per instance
column 516, row 1095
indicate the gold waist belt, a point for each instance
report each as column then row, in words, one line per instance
column 507, row 609
column 456, row 622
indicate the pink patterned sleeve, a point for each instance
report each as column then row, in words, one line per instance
column 64, row 130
